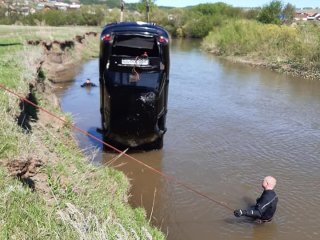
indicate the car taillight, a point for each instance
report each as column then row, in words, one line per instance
column 107, row 38
column 162, row 39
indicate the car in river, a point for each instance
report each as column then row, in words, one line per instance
column 134, row 67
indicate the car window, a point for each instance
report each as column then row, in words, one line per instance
column 145, row 79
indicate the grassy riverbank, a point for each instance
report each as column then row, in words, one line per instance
column 49, row 190
column 294, row 49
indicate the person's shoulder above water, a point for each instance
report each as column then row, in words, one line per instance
column 266, row 204
column 88, row 83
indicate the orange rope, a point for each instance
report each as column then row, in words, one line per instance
column 169, row 178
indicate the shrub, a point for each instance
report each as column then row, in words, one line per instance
column 300, row 45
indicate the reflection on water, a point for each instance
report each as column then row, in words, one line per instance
column 229, row 125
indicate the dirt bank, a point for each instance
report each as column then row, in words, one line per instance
column 60, row 62
column 62, row 59
column 281, row 67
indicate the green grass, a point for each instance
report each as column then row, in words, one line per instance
column 74, row 200
column 14, row 34
column 25, row 215
column 297, row 45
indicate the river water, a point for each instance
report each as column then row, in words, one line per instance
column 229, row 125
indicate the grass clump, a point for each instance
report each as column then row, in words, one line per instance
column 243, row 37
column 24, row 213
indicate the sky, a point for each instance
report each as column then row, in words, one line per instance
column 234, row 3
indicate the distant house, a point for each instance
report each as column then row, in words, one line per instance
column 25, row 11
column 32, row 10
column 57, row 5
column 40, row 6
column 315, row 16
column 301, row 16
column 66, row 6
column 61, row 5
column 74, row 6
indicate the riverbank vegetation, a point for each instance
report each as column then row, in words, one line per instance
column 293, row 48
column 48, row 188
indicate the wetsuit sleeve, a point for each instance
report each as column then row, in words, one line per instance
column 263, row 204
column 253, row 213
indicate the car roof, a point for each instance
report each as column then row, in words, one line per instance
column 141, row 28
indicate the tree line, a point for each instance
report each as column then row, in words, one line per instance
column 195, row 22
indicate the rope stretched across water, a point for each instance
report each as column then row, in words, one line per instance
column 73, row 126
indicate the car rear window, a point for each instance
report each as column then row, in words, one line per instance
column 145, row 79
column 131, row 45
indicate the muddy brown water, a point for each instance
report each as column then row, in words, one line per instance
column 229, row 125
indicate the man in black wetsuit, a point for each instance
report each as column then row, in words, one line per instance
column 88, row 83
column 266, row 204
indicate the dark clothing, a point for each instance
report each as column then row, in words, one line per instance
column 265, row 207
column 88, row 85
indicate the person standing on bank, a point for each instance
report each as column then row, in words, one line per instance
column 88, row 83
column 266, row 204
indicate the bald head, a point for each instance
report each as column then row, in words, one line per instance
column 269, row 183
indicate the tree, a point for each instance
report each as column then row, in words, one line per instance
column 288, row 12
column 113, row 3
column 143, row 4
column 251, row 14
column 219, row 8
column 271, row 13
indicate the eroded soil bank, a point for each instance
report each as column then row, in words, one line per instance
column 62, row 59
column 59, row 63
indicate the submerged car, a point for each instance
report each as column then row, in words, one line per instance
column 134, row 78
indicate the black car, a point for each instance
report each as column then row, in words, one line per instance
column 134, row 79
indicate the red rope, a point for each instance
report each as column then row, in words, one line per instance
column 169, row 178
